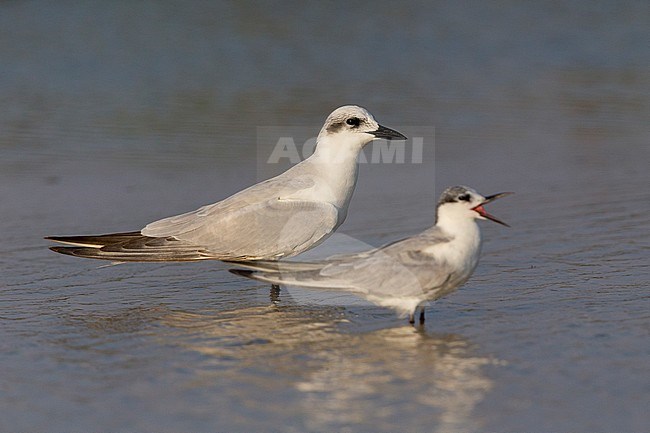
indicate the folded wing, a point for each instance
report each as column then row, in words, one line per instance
column 402, row 267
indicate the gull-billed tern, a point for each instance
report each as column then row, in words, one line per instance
column 274, row 219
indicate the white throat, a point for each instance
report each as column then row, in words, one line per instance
column 456, row 220
column 464, row 248
column 334, row 163
column 339, row 149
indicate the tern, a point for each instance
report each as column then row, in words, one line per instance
column 402, row 275
column 274, row 219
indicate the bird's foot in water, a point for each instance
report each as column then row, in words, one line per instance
column 412, row 317
column 275, row 294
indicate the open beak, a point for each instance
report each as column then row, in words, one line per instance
column 481, row 211
column 388, row 134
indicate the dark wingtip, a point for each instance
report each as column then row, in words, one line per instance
column 242, row 272
column 69, row 251
column 60, row 238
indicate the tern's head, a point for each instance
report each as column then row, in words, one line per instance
column 460, row 202
column 355, row 127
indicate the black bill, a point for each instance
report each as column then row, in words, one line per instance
column 481, row 211
column 388, row 134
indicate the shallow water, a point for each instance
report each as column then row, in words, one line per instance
column 113, row 116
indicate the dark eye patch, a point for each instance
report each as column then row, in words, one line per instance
column 464, row 197
column 353, row 121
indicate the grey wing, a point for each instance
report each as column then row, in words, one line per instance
column 414, row 244
column 401, row 268
column 264, row 231
column 256, row 223
column 408, row 273
column 269, row 230
column 210, row 214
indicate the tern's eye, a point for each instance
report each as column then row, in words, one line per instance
column 353, row 121
column 464, row 197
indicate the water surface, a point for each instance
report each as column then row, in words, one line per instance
column 112, row 116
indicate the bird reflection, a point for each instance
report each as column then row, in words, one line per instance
column 333, row 372
column 388, row 378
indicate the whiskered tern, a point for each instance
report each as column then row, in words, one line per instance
column 402, row 275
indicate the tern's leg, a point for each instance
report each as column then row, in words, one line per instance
column 421, row 315
column 275, row 293
column 412, row 318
